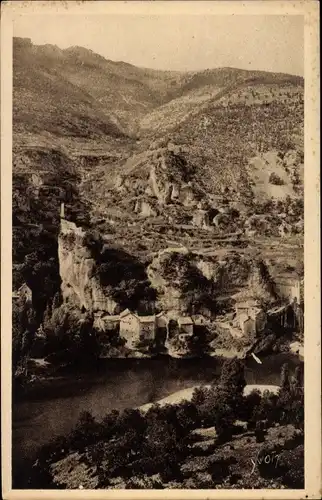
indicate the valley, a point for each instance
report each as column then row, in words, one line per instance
column 204, row 166
column 158, row 274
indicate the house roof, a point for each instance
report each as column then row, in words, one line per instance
column 185, row 320
column 147, row 319
column 23, row 286
column 126, row 312
column 112, row 317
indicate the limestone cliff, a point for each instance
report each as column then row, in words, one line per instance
column 181, row 284
column 79, row 285
column 176, row 281
column 193, row 283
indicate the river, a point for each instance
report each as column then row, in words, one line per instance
column 117, row 384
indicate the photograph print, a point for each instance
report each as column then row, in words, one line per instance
column 157, row 252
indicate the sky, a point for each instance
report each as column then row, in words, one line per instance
column 186, row 42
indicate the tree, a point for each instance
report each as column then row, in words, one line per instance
column 232, row 375
column 297, row 381
column 251, row 402
column 285, row 382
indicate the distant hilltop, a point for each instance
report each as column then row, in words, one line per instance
column 205, row 73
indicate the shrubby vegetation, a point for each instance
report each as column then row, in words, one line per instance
column 275, row 179
column 158, row 448
column 36, row 222
column 23, row 333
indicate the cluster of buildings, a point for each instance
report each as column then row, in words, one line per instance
column 135, row 328
column 250, row 319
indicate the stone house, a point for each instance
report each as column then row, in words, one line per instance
column 185, row 325
column 246, row 307
column 23, row 294
column 250, row 316
column 135, row 328
column 147, row 327
column 129, row 326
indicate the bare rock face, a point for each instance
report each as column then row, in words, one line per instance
column 118, row 182
column 187, row 196
column 79, row 285
column 171, row 298
column 175, row 193
column 201, row 218
column 160, row 188
column 144, row 208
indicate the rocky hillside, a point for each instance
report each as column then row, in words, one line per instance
column 89, row 85
column 151, row 159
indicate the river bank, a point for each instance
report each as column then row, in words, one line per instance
column 186, row 395
column 52, row 406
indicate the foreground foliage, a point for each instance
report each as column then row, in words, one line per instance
column 220, row 439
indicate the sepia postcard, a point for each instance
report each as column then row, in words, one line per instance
column 160, row 250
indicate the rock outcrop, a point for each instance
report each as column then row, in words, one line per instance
column 144, row 208
column 80, row 286
column 181, row 281
column 201, row 219
column 161, row 189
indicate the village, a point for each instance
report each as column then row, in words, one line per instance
column 248, row 320
column 245, row 319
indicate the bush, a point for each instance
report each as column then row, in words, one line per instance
column 291, row 467
column 93, row 241
column 275, row 179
